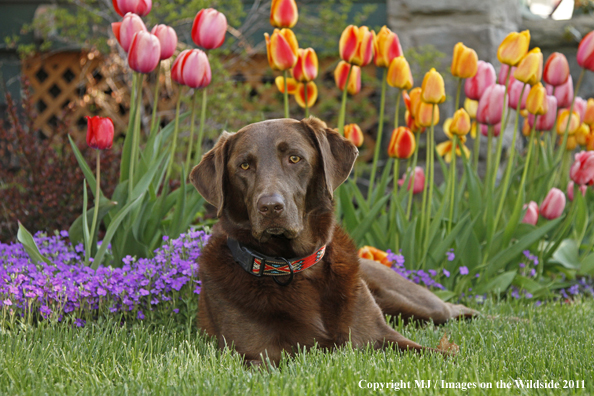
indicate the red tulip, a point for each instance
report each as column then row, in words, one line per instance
column 563, row 93
column 99, row 132
column 340, row 76
column 419, row 180
column 356, row 45
column 402, row 143
column 353, row 133
column 585, row 53
column 144, row 53
column 474, row 87
column 531, row 216
column 191, row 68
column 496, row 129
column 491, row 105
column 138, row 7
column 583, row 189
column 167, row 38
column 283, row 13
column 514, row 91
column 556, row 70
column 282, row 49
column 553, row 205
column 124, row 31
column 582, row 170
column 545, row 122
column 209, row 28
column 306, row 68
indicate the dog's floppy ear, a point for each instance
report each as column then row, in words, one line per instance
column 336, row 153
column 208, row 176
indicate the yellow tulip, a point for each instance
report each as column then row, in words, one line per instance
column 399, row 75
column 424, row 114
column 529, row 70
column 433, row 88
column 513, row 48
column 464, row 62
column 536, row 102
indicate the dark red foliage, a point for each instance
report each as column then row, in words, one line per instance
column 41, row 184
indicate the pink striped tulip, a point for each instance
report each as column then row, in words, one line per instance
column 556, row 70
column 582, row 170
column 283, row 13
column 124, row 31
column 545, row 122
column 168, row 39
column 585, row 53
column 209, row 28
column 356, row 45
column 419, row 180
column 580, row 107
column 282, row 49
column 553, row 205
column 474, row 87
column 387, row 47
column 503, row 74
column 191, row 68
column 531, row 216
column 306, row 68
column 563, row 93
column 570, row 185
column 138, row 7
column 144, row 53
column 514, row 90
column 490, row 105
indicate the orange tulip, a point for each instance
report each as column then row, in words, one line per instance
column 399, row 75
column 513, row 48
column 529, row 71
column 464, row 62
column 283, row 13
column 387, row 47
column 402, row 143
column 353, row 133
column 562, row 120
column 372, row 253
column 312, row 94
column 445, row 149
column 291, row 84
column 306, row 68
column 536, row 102
column 356, row 45
column 282, row 49
column 340, row 76
column 414, row 101
column 365, row 253
column 471, row 107
column 423, row 117
column 589, row 114
column 433, row 89
column 460, row 123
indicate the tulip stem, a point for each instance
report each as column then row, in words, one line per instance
column 341, row 115
column 510, row 165
column 490, row 129
column 286, row 95
column 155, row 101
column 477, row 148
column 503, row 124
column 192, row 122
column 202, row 121
column 135, row 134
column 174, row 143
column 395, row 200
column 378, row 141
column 97, row 198
column 457, row 103
column 431, row 170
column 306, row 102
column 411, row 185
column 526, row 166
column 397, row 110
column 452, row 182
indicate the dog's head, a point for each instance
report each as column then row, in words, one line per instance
column 269, row 179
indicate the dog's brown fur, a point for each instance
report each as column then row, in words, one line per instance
column 341, row 298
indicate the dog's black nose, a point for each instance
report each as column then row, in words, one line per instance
column 271, row 205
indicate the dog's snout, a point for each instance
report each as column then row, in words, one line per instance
column 271, row 205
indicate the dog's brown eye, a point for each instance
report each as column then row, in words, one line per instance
column 294, row 159
column 245, row 166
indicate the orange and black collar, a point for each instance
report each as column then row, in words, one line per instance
column 259, row 264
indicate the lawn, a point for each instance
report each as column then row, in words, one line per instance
column 514, row 341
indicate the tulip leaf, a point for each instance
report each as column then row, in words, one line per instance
column 587, row 266
column 445, row 295
column 25, row 237
column 84, row 167
column 581, row 216
column 498, row 284
column 75, row 232
column 176, row 222
column 380, row 188
column 348, row 209
column 369, row 218
column 567, row 254
column 438, row 252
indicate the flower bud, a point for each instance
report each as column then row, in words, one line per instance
column 536, row 102
column 209, row 28
column 531, row 216
column 312, row 94
column 491, row 105
column 124, row 31
column 283, row 13
column 138, row 7
column 464, row 61
column 387, row 47
column 167, row 38
column 353, row 133
column 556, row 70
column 471, row 107
column 306, row 68
column 515, row 89
column 191, row 68
column 474, row 87
column 340, row 75
column 424, row 117
column 433, row 89
column 570, row 185
column 356, row 45
column 399, row 75
column 564, row 122
column 281, row 49
column 582, row 170
column 553, row 205
column 402, row 143
column 419, row 176
column 545, row 122
column 513, row 48
column 99, row 132
column 585, row 53
column 460, row 123
column 589, row 113
column 563, row 93
column 291, row 84
column 144, row 52
column 529, row 69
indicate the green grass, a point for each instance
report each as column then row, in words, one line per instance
column 552, row 342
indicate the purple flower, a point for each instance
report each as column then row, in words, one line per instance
column 463, row 270
column 446, row 273
column 64, row 234
column 7, row 302
column 451, row 255
column 45, row 311
column 80, row 322
column 175, row 310
column 140, row 315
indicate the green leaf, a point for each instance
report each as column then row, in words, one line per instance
column 497, row 285
column 445, row 295
column 84, row 167
column 75, row 232
column 25, row 237
column 176, row 224
column 567, row 254
column 581, row 217
column 349, row 219
column 438, row 252
column 380, row 188
column 366, row 222
column 587, row 267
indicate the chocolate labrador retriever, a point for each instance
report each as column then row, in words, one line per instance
column 278, row 272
